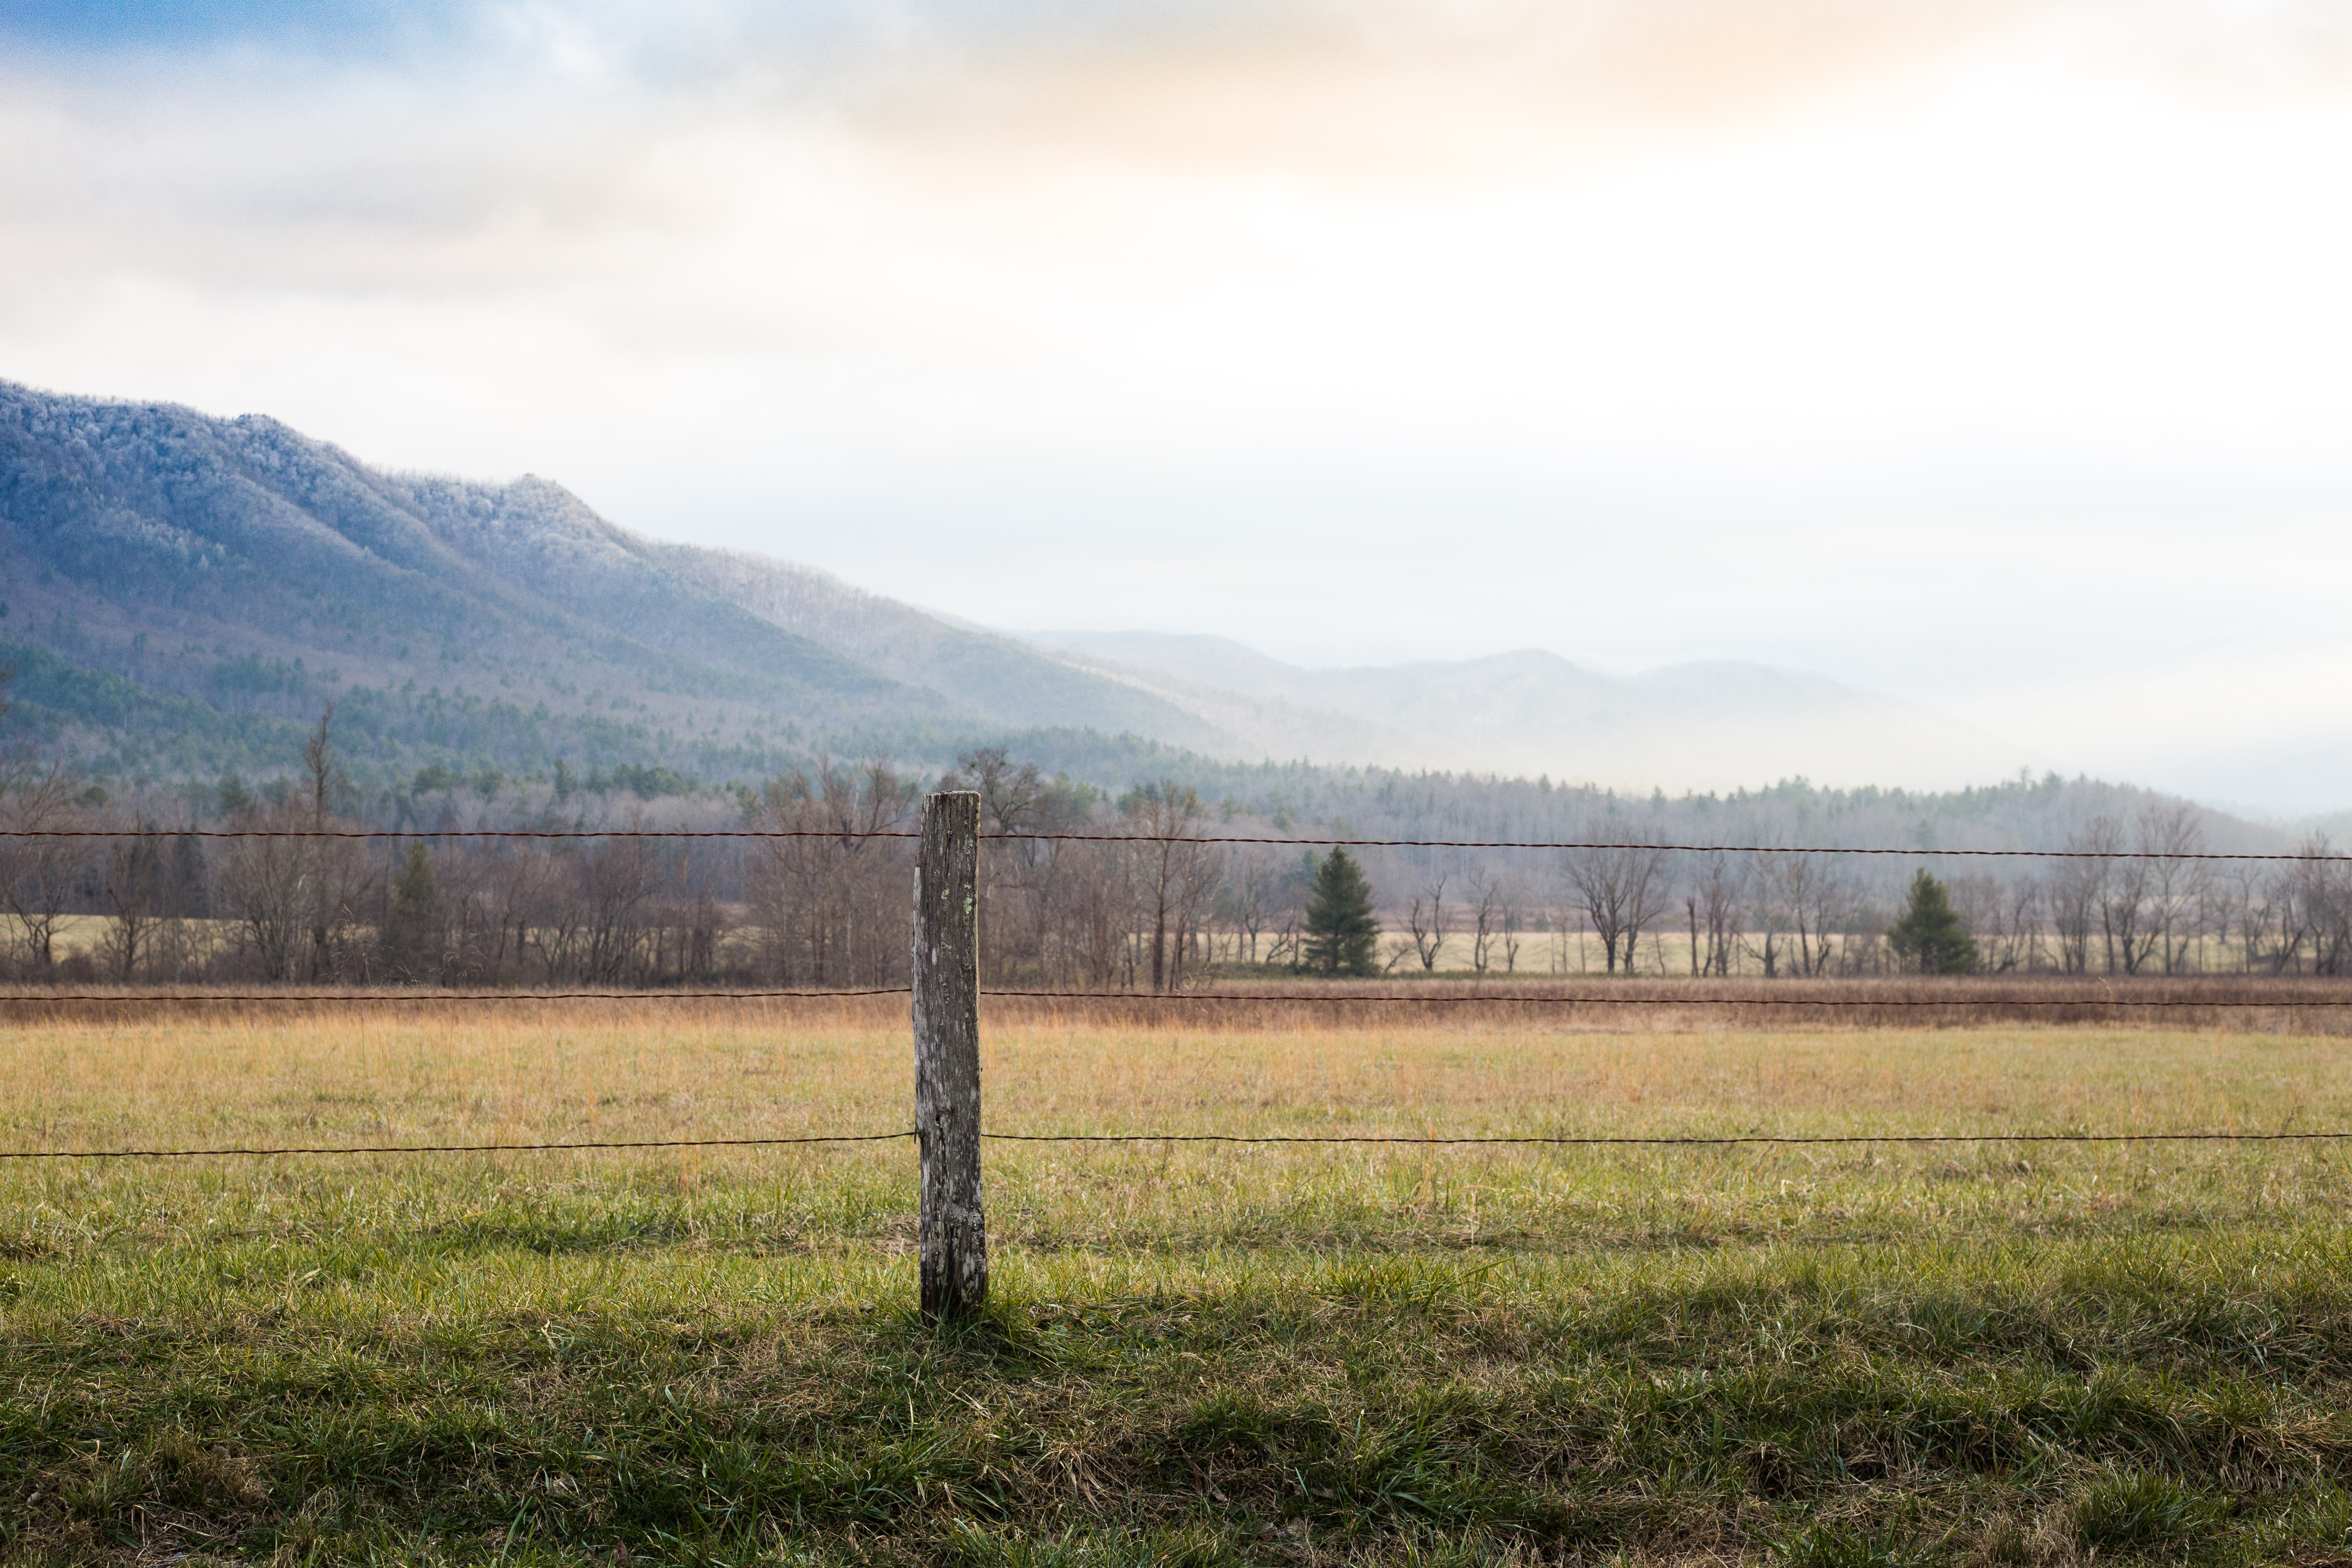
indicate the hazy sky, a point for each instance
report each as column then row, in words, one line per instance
column 1993, row 353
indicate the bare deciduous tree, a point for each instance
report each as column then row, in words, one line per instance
column 266, row 890
column 1425, row 922
column 2124, row 926
column 1176, row 875
column 137, row 896
column 334, row 869
column 2270, row 928
column 1012, row 798
column 2076, row 889
column 1803, row 896
column 1101, row 915
column 1769, row 921
column 2176, row 885
column 1249, row 900
column 829, row 903
column 1487, row 915
column 38, row 875
column 1713, row 902
column 1621, row 885
column 2012, row 938
column 2322, row 893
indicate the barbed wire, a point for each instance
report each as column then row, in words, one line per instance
column 1341, row 998
column 678, row 994
column 451, row 1148
column 1661, row 1139
column 457, row 833
column 1682, row 848
column 1537, row 999
column 849, row 836
column 1669, row 1140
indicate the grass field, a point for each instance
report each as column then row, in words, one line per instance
column 1835, row 1355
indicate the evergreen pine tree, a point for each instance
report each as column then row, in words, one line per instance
column 1341, row 935
column 412, row 933
column 1930, row 934
column 189, row 894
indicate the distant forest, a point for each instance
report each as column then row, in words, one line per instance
column 1151, row 905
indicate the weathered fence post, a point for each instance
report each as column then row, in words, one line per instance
column 952, row 1234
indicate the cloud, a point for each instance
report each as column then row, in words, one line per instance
column 428, row 116
column 802, row 177
column 464, row 143
column 1404, row 74
column 1455, row 307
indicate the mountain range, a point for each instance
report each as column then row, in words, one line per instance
column 181, row 596
column 1710, row 726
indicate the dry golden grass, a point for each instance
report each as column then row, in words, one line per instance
column 428, row 1073
column 423, row 1069
column 2057, row 1354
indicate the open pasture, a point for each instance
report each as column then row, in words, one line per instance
column 1844, row 1353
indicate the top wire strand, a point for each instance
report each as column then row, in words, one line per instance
column 855, row 836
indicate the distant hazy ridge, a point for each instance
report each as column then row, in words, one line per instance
column 1708, row 726
column 183, row 593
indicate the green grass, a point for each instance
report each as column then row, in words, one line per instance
column 1225, row 1356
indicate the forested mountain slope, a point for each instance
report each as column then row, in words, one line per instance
column 1001, row 676
column 182, row 595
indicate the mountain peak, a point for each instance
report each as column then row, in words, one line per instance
column 249, row 572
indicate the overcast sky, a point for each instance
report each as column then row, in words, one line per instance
column 1995, row 353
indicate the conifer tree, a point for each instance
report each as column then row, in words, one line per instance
column 1930, row 934
column 411, row 935
column 1341, row 935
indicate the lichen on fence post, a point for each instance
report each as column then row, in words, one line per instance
column 953, row 1234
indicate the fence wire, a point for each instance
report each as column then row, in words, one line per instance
column 1324, row 998
column 857, row 835
column 1679, row 1141
column 1235, row 1139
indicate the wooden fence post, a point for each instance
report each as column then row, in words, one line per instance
column 952, row 1234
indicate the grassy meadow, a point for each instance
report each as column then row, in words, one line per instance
column 1846, row 1354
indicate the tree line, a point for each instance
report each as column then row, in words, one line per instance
column 1136, row 897
column 2125, row 898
